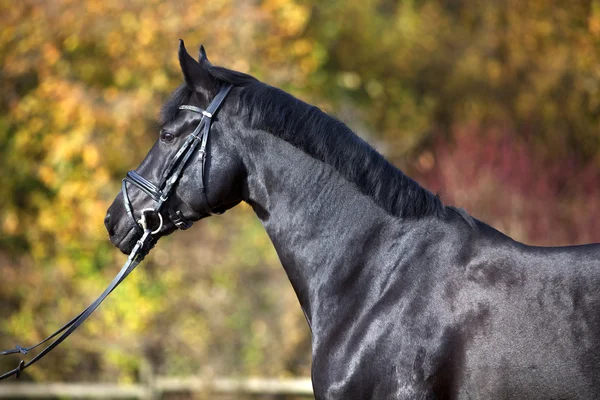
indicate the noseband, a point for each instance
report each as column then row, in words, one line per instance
column 160, row 194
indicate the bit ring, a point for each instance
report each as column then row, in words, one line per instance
column 142, row 221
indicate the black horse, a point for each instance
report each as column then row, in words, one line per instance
column 406, row 298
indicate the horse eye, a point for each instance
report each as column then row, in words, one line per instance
column 167, row 137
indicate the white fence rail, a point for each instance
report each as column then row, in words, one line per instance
column 158, row 387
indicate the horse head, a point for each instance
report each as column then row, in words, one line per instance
column 194, row 168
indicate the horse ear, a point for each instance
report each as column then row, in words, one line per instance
column 197, row 75
column 202, row 56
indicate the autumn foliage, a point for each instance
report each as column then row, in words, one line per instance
column 494, row 104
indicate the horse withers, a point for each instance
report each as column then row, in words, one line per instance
column 406, row 298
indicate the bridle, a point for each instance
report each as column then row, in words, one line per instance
column 160, row 194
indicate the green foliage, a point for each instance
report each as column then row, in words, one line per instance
column 82, row 82
column 421, row 67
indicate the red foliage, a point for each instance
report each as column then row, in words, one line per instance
column 510, row 184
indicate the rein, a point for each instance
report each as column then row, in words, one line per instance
column 147, row 241
column 135, row 257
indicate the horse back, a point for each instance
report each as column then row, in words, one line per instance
column 537, row 334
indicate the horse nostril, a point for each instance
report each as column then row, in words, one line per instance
column 107, row 219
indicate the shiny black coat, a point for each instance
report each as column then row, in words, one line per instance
column 427, row 308
column 406, row 298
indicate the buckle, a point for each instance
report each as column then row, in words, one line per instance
column 179, row 220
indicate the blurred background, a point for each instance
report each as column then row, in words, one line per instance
column 495, row 105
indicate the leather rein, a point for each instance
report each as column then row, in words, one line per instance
column 160, row 194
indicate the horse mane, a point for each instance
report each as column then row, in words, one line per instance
column 326, row 139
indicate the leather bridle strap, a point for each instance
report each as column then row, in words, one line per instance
column 127, row 204
column 160, row 194
column 141, row 248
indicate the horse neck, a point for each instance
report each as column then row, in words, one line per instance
column 317, row 220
